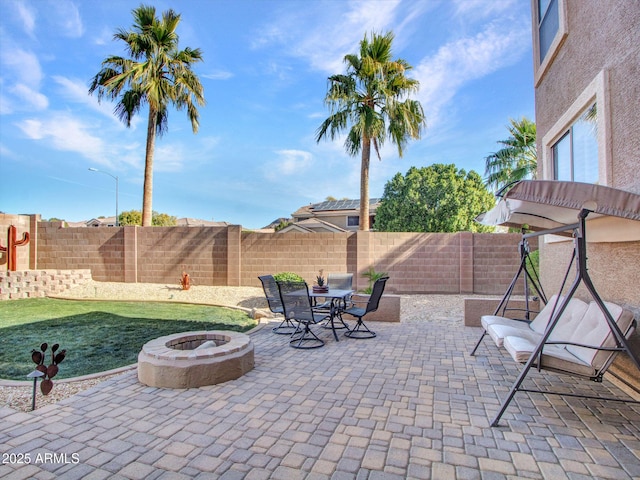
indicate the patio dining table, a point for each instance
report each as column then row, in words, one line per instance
column 337, row 298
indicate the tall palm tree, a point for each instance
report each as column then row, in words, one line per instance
column 370, row 98
column 157, row 74
column 517, row 160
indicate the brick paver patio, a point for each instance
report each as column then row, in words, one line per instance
column 410, row 403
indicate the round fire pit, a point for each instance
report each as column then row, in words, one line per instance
column 195, row 359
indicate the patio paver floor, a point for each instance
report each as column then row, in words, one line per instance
column 410, row 403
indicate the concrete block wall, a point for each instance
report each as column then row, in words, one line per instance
column 302, row 253
column 495, row 261
column 39, row 283
column 163, row 253
column 98, row 249
column 228, row 256
column 428, row 262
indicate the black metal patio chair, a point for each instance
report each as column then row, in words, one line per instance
column 297, row 307
column 361, row 330
column 270, row 287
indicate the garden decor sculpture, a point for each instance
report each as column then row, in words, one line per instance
column 185, row 281
column 49, row 371
column 12, row 244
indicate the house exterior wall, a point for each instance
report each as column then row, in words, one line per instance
column 598, row 59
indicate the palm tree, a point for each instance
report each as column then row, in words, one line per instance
column 156, row 74
column 517, row 160
column 369, row 99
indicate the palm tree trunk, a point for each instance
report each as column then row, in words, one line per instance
column 147, row 196
column 364, row 183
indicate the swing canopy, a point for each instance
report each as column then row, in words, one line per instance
column 550, row 204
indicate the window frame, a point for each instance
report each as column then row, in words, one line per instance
column 542, row 65
column 350, row 219
column 597, row 92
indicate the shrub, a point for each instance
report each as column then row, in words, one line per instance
column 288, row 277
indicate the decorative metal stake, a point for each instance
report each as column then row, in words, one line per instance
column 36, row 374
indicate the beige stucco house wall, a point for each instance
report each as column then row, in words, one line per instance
column 594, row 57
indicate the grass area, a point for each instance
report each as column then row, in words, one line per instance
column 98, row 335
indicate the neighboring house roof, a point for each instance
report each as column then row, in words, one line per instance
column 196, row 222
column 312, row 225
column 180, row 222
column 334, row 205
column 99, row 222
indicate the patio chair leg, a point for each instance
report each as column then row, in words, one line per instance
column 286, row 327
column 360, row 331
column 306, row 340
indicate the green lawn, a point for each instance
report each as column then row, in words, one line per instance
column 98, row 335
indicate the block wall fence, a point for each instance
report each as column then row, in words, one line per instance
column 461, row 262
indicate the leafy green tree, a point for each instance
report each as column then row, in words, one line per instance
column 370, row 101
column 164, row 220
column 438, row 198
column 517, row 160
column 130, row 217
column 134, row 217
column 157, row 75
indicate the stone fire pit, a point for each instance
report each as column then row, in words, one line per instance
column 195, row 359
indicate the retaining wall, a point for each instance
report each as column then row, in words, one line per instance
column 39, row 283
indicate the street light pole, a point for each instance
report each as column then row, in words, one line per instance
column 116, row 179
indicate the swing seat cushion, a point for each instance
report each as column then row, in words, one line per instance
column 570, row 318
column 538, row 324
column 591, row 328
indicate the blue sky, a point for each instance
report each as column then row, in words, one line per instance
column 265, row 70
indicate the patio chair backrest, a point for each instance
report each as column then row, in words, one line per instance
column 296, row 301
column 270, row 288
column 340, row 281
column 376, row 294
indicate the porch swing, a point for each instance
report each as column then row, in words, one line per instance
column 586, row 343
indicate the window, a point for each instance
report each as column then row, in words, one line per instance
column 550, row 28
column 575, row 155
column 353, row 221
column 548, row 25
column 578, row 146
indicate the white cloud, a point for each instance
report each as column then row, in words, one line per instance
column 482, row 8
column 329, row 31
column 23, row 66
column 217, row 75
column 104, row 37
column 459, row 62
column 66, row 16
column 288, row 163
column 169, row 158
column 65, row 133
column 27, row 17
column 30, row 99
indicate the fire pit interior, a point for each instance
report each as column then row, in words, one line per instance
column 195, row 359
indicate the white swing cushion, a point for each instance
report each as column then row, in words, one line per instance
column 594, row 330
column 565, row 327
column 554, row 357
column 589, row 329
column 542, row 318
